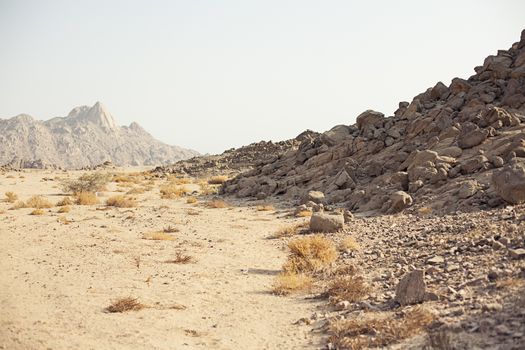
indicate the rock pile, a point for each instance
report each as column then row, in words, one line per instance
column 442, row 150
column 235, row 160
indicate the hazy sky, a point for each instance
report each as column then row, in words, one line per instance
column 211, row 75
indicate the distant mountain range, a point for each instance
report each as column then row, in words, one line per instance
column 88, row 136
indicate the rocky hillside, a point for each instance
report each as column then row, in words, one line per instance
column 88, row 136
column 454, row 147
column 235, row 160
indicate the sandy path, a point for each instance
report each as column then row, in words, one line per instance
column 57, row 278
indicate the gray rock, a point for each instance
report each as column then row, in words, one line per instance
column 398, row 201
column 323, row 222
column 509, row 183
column 313, row 196
column 411, row 289
column 517, row 253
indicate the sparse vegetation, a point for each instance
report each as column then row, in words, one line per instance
column 64, row 209
column 38, row 202
column 288, row 231
column 349, row 244
column 288, row 282
column 265, row 207
column 37, row 212
column 217, row 204
column 64, row 201
column 304, row 214
column 136, row 190
column 349, row 287
column 121, row 202
column 89, row 182
column 181, row 258
column 206, row 189
column 217, row 180
column 11, row 197
column 378, row 330
column 158, row 236
column 125, row 304
column 173, row 191
column 86, row 198
column 191, row 200
column 310, row 254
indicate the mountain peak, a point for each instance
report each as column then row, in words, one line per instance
column 97, row 114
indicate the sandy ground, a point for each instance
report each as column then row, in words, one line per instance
column 57, row 278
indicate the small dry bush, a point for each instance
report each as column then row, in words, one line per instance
column 38, row 202
column 170, row 229
column 64, row 209
column 304, row 214
column 217, row 204
column 289, row 231
column 121, row 202
column 19, row 205
column 310, row 254
column 2, row 211
column 89, row 182
column 158, row 236
column 351, row 288
column 125, row 304
column 172, row 191
column 207, row 190
column 64, row 201
column 191, row 200
column 128, row 178
column 11, row 197
column 425, row 210
column 349, row 244
column 181, row 258
column 179, row 180
column 37, row 212
column 86, row 198
column 217, row 180
column 265, row 207
column 289, row 282
column 378, row 330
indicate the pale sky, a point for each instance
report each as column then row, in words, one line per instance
column 211, row 75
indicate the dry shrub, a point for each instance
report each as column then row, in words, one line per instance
column 310, row 254
column 158, row 236
column 289, row 231
column 135, row 178
column 11, row 197
column 64, row 209
column 37, row 212
column 424, row 210
column 38, row 202
column 173, row 191
column 19, row 205
column 304, row 214
column 63, row 220
column 265, row 207
column 2, row 211
column 217, row 204
column 125, row 304
column 350, row 287
column 378, row 330
column 90, row 182
column 192, row 212
column 64, row 201
column 170, row 229
column 181, row 258
column 121, row 202
column 207, row 190
column 349, row 244
column 86, row 198
column 191, row 200
column 179, row 180
column 217, row 180
column 288, row 282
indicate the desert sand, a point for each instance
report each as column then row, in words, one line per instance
column 60, row 272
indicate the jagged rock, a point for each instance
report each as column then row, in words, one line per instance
column 324, row 222
column 468, row 189
column 411, row 289
column 398, row 201
column 313, row 196
column 509, row 183
column 471, row 135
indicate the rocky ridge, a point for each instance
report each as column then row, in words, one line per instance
column 442, row 150
column 87, row 137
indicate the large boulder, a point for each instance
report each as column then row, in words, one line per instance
column 399, row 200
column 313, row 196
column 411, row 289
column 323, row 222
column 509, row 183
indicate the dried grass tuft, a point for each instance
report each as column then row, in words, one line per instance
column 37, row 212
column 217, row 180
column 125, row 304
column 10, row 197
column 38, row 202
column 265, row 207
column 86, row 198
column 349, row 244
column 310, row 254
column 158, row 236
column 289, row 282
column 121, row 202
column 181, row 258
column 217, row 204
